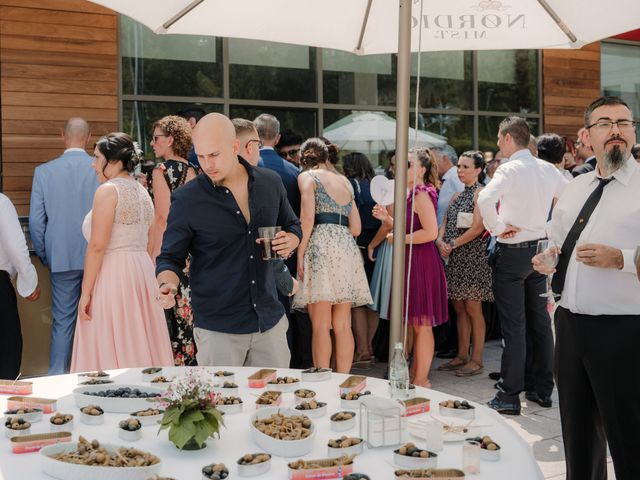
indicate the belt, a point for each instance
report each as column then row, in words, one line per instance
column 331, row 218
column 528, row 244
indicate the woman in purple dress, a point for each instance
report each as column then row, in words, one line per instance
column 425, row 279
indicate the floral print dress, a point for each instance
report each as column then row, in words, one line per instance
column 180, row 317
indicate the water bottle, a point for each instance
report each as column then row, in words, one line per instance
column 399, row 374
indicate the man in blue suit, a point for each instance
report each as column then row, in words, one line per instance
column 61, row 196
column 268, row 128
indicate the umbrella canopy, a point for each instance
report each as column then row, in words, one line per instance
column 371, row 26
column 374, row 131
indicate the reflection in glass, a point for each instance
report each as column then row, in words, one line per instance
column 446, row 80
column 177, row 65
column 302, row 121
column 457, row 129
column 620, row 73
column 508, row 81
column 271, row 71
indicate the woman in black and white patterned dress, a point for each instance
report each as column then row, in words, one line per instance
column 463, row 245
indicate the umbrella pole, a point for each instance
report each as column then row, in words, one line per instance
column 400, row 195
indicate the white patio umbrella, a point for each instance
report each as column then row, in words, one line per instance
column 372, row 132
column 388, row 26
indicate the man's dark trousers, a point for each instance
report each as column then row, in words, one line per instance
column 523, row 313
column 596, row 367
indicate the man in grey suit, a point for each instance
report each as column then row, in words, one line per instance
column 61, row 195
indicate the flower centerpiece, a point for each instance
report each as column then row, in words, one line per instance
column 190, row 413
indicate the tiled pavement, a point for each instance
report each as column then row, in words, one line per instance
column 538, row 426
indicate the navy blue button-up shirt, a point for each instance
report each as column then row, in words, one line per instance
column 232, row 289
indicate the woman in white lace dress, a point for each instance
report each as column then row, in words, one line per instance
column 120, row 323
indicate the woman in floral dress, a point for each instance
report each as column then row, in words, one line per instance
column 171, row 142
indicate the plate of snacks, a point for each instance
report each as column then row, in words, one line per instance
column 312, row 408
column 352, row 399
column 253, row 464
column 489, row 450
column 130, row 429
column 92, row 415
column 429, row 473
column 342, row 421
column 30, row 414
column 303, row 395
column 160, row 379
column 224, row 376
column 344, row 445
column 282, row 432
column 316, row 374
column 96, row 461
column 150, row 373
column 149, row 416
column 410, row 456
column 457, row 408
column 61, row 422
column 284, row 384
column 123, row 399
column 99, row 375
column 229, row 404
column 14, row 426
column 269, row 399
column 215, row 471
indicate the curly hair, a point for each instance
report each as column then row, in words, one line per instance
column 313, row 152
column 178, row 129
column 426, row 159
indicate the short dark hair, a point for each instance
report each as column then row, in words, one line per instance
column 478, row 162
column 242, row 125
column 635, row 151
column 357, row 165
column 551, row 147
column 313, row 152
column 602, row 101
column 192, row 111
column 119, row 147
column 288, row 137
column 518, row 128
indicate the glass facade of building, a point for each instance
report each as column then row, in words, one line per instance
column 620, row 73
column 463, row 95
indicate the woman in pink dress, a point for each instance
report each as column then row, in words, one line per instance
column 120, row 323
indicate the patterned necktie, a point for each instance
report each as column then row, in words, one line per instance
column 569, row 244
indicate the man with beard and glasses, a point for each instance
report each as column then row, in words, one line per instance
column 596, row 224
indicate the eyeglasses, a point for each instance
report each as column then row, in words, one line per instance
column 290, row 153
column 606, row 125
column 260, row 144
column 154, row 138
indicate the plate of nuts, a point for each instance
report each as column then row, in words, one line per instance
column 225, row 376
column 269, row 399
column 312, row 408
column 489, row 450
column 342, row 421
column 215, row 471
column 253, row 464
column 150, row 373
column 316, row 374
column 229, row 404
column 284, row 384
column 303, row 394
column 345, row 446
column 352, row 399
column 457, row 408
column 282, row 432
column 130, row 429
column 31, row 415
column 61, row 422
column 97, row 461
column 410, row 456
column 99, row 375
column 14, row 426
column 92, row 415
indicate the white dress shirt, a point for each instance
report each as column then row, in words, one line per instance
column 451, row 185
column 525, row 186
column 614, row 222
column 14, row 254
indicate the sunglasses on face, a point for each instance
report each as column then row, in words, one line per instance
column 155, row 138
column 289, row 153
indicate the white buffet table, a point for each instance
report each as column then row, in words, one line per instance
column 235, row 440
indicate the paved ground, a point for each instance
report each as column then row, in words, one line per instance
column 540, row 427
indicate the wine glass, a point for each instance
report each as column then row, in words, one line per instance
column 547, row 252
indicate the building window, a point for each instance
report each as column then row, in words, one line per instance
column 620, row 73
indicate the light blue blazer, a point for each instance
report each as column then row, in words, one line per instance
column 61, row 196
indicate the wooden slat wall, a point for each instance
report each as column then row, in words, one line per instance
column 571, row 81
column 58, row 59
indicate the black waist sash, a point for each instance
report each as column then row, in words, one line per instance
column 334, row 218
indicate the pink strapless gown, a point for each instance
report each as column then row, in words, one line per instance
column 127, row 326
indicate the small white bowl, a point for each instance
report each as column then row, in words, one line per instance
column 147, row 377
column 298, row 400
column 254, row 470
column 32, row 417
column 321, row 376
column 10, row 433
column 65, row 427
column 146, row 420
column 321, row 411
column 228, row 391
column 129, row 436
column 415, row 462
column 468, row 414
column 86, row 376
column 233, row 408
column 284, row 387
column 343, row 425
column 91, row 419
column 352, row 450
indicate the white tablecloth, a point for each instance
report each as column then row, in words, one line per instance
column 235, row 440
